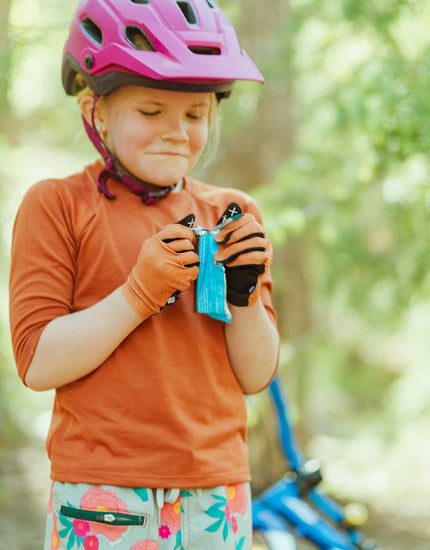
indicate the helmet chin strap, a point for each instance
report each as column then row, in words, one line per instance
column 148, row 195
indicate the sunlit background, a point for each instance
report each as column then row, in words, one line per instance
column 335, row 148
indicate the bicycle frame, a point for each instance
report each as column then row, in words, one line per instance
column 293, row 507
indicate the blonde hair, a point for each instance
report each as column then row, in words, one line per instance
column 210, row 151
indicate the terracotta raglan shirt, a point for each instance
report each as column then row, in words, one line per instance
column 165, row 409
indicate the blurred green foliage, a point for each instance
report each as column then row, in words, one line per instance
column 356, row 190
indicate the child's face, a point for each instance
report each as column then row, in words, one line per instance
column 155, row 135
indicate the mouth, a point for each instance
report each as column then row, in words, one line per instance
column 170, row 154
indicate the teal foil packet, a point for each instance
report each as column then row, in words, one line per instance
column 211, row 287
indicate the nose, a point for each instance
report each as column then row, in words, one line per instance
column 175, row 129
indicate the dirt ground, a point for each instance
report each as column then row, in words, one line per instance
column 24, row 486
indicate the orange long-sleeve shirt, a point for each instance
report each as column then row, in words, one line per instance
column 165, row 409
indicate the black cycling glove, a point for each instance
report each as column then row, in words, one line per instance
column 246, row 253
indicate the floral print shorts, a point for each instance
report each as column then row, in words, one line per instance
column 102, row 517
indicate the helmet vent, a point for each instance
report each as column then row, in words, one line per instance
column 138, row 39
column 141, row 1
column 92, row 30
column 210, row 4
column 188, row 11
column 204, row 50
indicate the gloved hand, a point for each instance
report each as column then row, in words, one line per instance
column 167, row 263
column 246, row 253
column 188, row 221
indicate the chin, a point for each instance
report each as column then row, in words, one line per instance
column 159, row 178
column 163, row 174
column 162, row 180
column 157, row 174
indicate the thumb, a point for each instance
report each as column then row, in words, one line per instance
column 232, row 210
column 188, row 221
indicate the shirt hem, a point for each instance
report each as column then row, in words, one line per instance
column 166, row 482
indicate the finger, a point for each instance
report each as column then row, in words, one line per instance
column 225, row 234
column 183, row 252
column 188, row 221
column 227, row 252
column 175, row 231
column 193, row 264
column 256, row 269
column 188, row 258
column 181, row 245
column 191, row 253
column 248, row 231
column 192, row 274
column 252, row 256
column 233, row 209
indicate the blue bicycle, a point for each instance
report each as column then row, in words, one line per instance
column 294, row 509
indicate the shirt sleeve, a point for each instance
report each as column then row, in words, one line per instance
column 43, row 267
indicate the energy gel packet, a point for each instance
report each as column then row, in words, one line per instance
column 211, row 287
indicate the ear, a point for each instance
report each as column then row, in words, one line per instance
column 86, row 104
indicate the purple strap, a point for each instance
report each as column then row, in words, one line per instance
column 148, row 195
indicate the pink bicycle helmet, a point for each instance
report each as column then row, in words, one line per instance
column 177, row 45
column 169, row 44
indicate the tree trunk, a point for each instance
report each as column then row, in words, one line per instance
column 251, row 158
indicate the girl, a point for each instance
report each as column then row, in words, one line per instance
column 148, row 439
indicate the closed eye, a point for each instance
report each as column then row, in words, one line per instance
column 149, row 113
column 191, row 116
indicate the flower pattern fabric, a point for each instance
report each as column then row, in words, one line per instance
column 225, row 512
column 91, row 543
column 170, row 519
column 55, row 538
column 145, row 545
column 101, row 500
column 214, row 519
